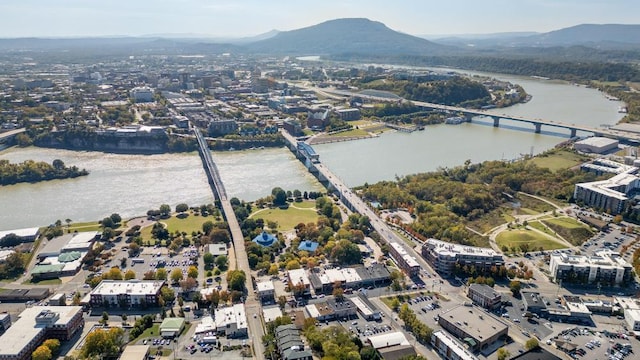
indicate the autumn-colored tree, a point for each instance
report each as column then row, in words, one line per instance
column 41, row 353
column 130, row 274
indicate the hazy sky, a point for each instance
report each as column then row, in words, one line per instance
column 52, row 18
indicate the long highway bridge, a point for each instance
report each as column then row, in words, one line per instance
column 253, row 307
column 469, row 113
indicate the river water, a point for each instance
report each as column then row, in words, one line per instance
column 132, row 184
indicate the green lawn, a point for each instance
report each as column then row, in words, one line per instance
column 558, row 160
column 570, row 229
column 152, row 331
column 188, row 224
column 351, row 133
column 311, row 204
column 534, row 239
column 82, row 226
column 288, row 218
column 540, row 226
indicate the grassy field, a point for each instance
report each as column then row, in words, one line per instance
column 288, row 218
column 492, row 219
column 540, row 226
column 304, row 204
column 533, row 205
column 561, row 159
column 535, row 240
column 351, row 133
column 570, row 229
column 188, row 224
column 83, row 226
column 152, row 331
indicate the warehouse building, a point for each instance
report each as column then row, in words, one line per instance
column 596, row 145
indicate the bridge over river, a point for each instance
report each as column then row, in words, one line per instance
column 470, row 113
column 253, row 307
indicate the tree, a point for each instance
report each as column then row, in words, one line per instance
column 167, row 294
column 197, row 297
column 176, row 275
column 165, row 210
column 107, row 223
column 221, row 262
column 130, row 274
column 279, row 196
column 41, row 353
column 282, row 301
column 192, row 272
column 188, row 284
column 531, row 344
column 161, row 274
column 53, row 345
column 106, row 343
column 116, row 218
column 207, row 226
column 293, row 264
column 515, row 287
column 105, row 317
column 208, row 259
column 503, row 354
column 236, row 280
column 338, row 293
column 181, row 208
column 124, row 318
column 113, row 274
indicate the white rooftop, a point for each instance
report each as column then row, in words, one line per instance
column 20, row 232
column 445, row 248
column 131, row 287
column 231, row 315
column 265, row 286
column 271, row 313
column 455, row 346
column 298, row 276
column 388, row 339
column 25, row 329
column 597, row 141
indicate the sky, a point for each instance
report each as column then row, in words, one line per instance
column 238, row 18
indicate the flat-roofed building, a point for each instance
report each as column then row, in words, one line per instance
column 26, row 235
column 444, row 257
column 533, row 302
column 407, row 263
column 266, row 290
column 217, row 249
column 610, row 195
column 171, row 327
column 391, row 346
column 366, row 309
column 298, row 277
column 477, row 328
column 450, row 348
column 5, row 322
column 484, row 295
column 270, row 313
column 129, row 293
column 596, row 145
column 135, row 352
column 35, row 325
column 231, row 321
column 604, row 267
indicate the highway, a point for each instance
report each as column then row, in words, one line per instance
column 615, row 134
column 252, row 305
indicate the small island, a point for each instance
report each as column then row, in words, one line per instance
column 36, row 171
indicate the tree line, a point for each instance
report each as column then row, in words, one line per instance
column 35, row 171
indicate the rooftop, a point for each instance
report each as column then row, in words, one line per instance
column 307, row 245
column 445, row 248
column 28, row 232
column 135, row 352
column 477, row 324
column 265, row 239
column 265, row 286
column 130, row 287
column 453, row 344
column 172, row 323
column 388, row 339
column 31, row 322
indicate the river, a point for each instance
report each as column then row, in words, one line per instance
column 132, row 184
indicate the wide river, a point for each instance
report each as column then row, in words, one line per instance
column 132, row 184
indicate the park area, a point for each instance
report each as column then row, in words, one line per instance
column 287, row 218
column 529, row 239
column 555, row 160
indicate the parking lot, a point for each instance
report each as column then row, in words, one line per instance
column 591, row 344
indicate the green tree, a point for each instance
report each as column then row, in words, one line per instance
column 531, row 344
column 165, row 210
column 176, row 275
column 116, row 218
column 207, row 226
column 105, row 317
column 222, row 262
column 236, row 280
column 279, row 196
column 208, row 259
column 53, row 345
column 105, row 343
column 503, row 354
column 161, row 274
column 192, row 272
column 107, row 223
column 167, row 294
column 515, row 287
column 181, row 208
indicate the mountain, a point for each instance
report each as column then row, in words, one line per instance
column 589, row 34
column 342, row 36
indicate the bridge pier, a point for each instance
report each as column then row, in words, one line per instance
column 573, row 133
column 538, row 128
column 496, row 122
